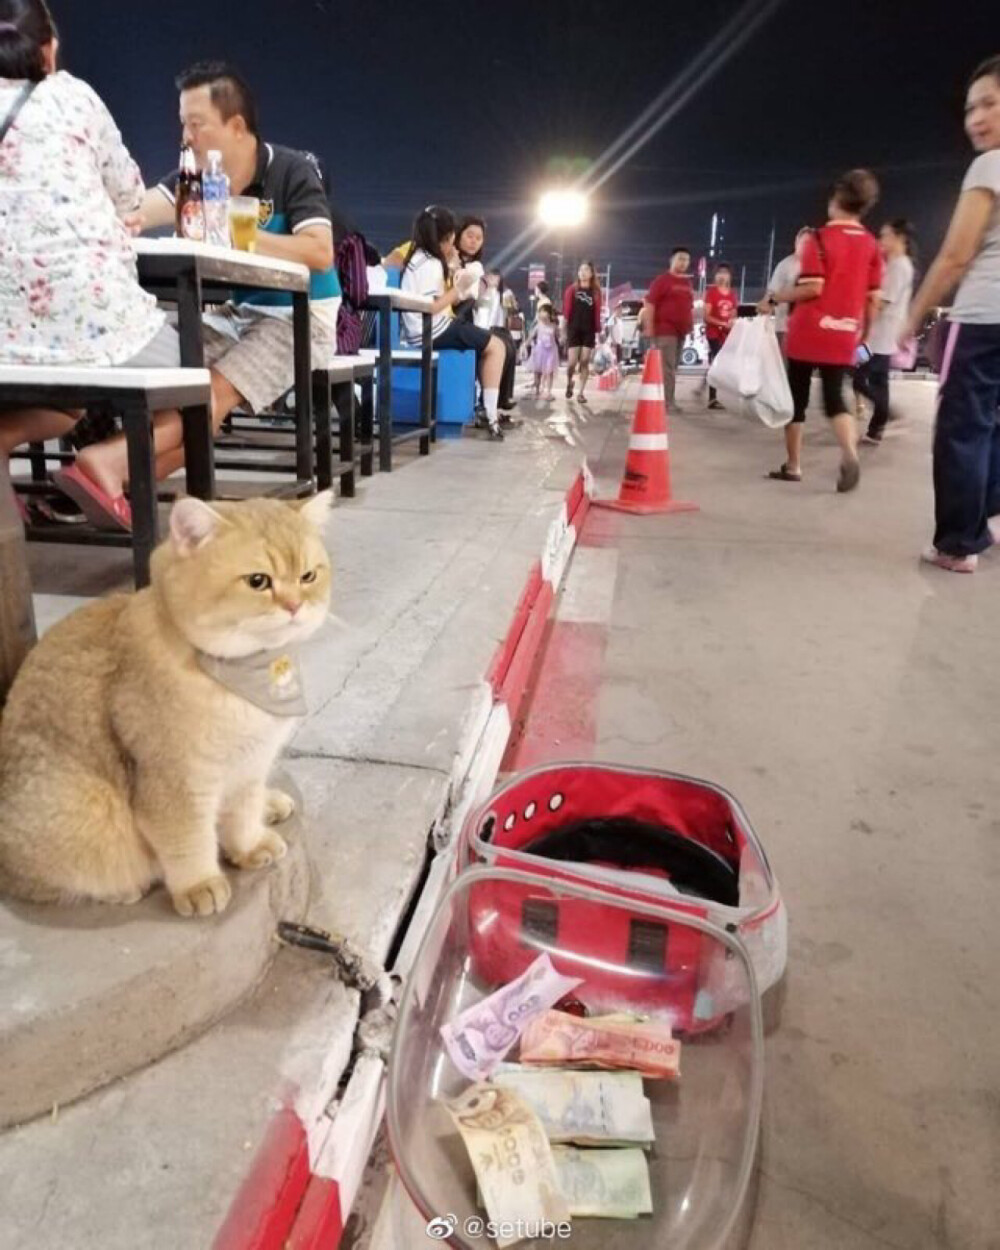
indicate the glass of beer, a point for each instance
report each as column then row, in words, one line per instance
column 244, row 215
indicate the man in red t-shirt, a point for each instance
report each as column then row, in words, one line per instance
column 668, row 316
column 720, row 312
column 835, row 299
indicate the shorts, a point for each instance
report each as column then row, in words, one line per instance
column 831, row 376
column 580, row 338
column 463, row 336
column 254, row 352
column 163, row 351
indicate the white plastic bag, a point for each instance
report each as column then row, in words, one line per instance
column 749, row 373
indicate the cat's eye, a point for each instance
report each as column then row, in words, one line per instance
column 258, row 581
column 308, row 578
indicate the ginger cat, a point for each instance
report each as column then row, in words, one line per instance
column 126, row 756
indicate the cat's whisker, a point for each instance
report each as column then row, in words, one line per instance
column 338, row 621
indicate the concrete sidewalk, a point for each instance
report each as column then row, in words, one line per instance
column 786, row 643
column 429, row 563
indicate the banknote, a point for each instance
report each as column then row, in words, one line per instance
column 613, row 1184
column 557, row 1039
column 511, row 1156
column 588, row 1108
column 480, row 1036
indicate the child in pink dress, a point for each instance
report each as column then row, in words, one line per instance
column 545, row 355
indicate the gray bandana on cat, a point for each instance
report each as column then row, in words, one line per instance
column 270, row 680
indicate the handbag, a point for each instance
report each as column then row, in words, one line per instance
column 15, row 109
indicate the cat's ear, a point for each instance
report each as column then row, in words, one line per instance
column 192, row 523
column 316, row 509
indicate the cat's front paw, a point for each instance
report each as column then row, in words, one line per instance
column 205, row 898
column 278, row 806
column 270, row 848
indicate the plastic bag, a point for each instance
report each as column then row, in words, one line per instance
column 749, row 373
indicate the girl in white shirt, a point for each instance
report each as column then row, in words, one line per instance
column 426, row 272
column 871, row 380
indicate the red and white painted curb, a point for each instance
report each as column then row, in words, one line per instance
column 307, row 1172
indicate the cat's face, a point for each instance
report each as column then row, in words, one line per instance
column 245, row 577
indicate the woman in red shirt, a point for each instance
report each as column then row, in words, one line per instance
column 721, row 306
column 836, row 297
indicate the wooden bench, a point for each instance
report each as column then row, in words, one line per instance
column 134, row 395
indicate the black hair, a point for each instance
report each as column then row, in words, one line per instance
column 228, row 90
column 856, row 191
column 674, row 251
column 501, row 285
column 724, row 265
column 904, row 229
column 990, row 68
column 542, row 287
column 462, row 226
column 432, row 225
column 26, row 26
column 594, row 282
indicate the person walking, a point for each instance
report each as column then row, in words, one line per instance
column 668, row 317
column 871, row 379
column 545, row 353
column 836, row 298
column 785, row 276
column 721, row 306
column 967, row 433
column 582, row 310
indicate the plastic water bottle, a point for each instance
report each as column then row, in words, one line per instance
column 215, row 192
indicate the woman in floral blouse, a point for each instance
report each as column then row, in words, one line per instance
column 69, row 198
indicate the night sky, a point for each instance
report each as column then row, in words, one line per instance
column 470, row 104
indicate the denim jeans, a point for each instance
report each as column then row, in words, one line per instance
column 967, row 440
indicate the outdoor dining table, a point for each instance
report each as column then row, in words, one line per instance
column 192, row 275
column 385, row 303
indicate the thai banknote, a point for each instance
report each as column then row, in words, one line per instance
column 560, row 1040
column 511, row 1156
column 588, row 1108
column 613, row 1184
column 480, row 1036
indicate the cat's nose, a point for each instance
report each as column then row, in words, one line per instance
column 290, row 607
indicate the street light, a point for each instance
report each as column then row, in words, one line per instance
column 562, row 209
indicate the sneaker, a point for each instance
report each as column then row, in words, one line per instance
column 582, row 398
column 872, row 440
column 953, row 564
column 496, row 434
column 714, row 405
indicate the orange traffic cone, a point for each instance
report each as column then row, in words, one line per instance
column 646, row 484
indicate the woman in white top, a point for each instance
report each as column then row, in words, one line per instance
column 426, row 272
column 69, row 198
column 871, row 380
column 967, row 433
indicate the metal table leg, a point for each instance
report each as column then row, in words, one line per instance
column 427, row 383
column 343, row 401
column 17, row 613
column 303, row 387
column 138, row 423
column 366, row 424
column 199, row 453
column 323, row 416
column 385, row 388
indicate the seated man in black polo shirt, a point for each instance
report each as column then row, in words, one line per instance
column 248, row 342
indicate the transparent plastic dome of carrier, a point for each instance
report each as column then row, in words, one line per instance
column 490, row 926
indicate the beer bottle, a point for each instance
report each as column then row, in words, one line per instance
column 190, row 201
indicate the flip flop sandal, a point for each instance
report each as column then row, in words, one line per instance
column 101, row 509
column 849, row 476
column 783, row 475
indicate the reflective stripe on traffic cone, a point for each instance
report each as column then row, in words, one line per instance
column 645, row 486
